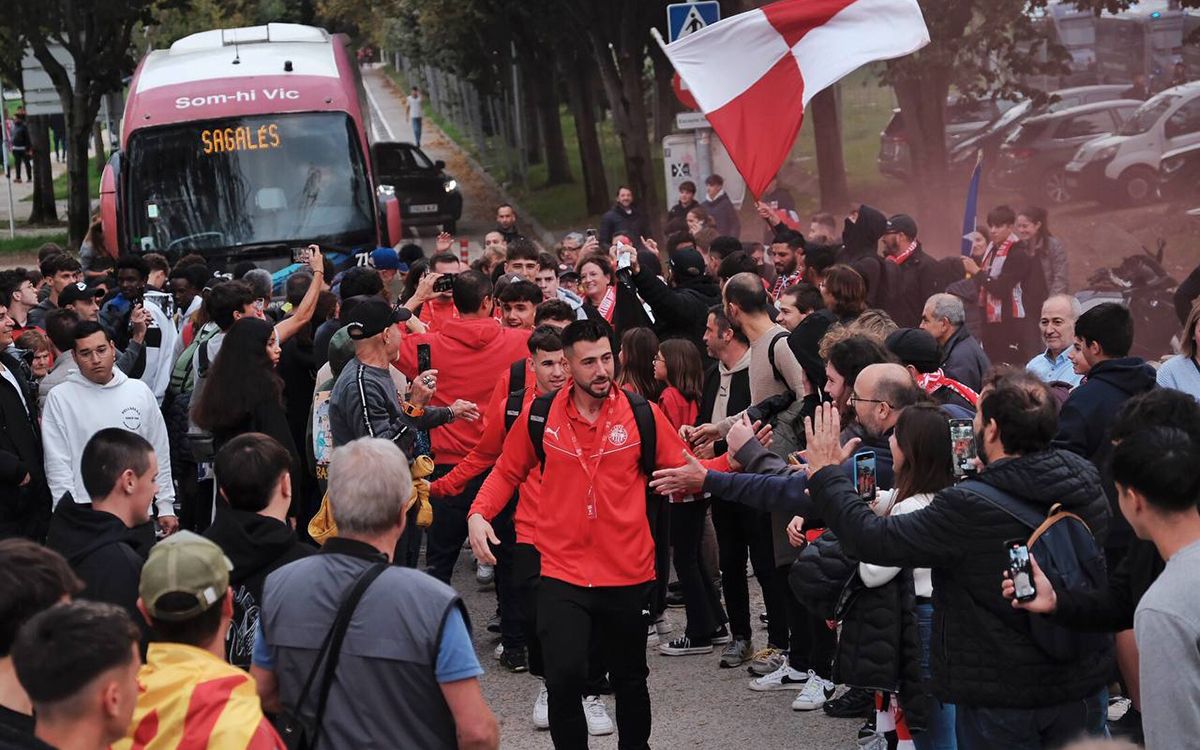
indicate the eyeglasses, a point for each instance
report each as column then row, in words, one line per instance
column 659, row 358
column 856, row 399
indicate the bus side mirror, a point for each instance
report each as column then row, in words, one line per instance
column 395, row 228
column 108, row 206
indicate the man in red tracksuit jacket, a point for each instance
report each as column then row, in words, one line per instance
column 469, row 353
column 592, row 532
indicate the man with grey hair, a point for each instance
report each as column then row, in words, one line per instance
column 963, row 358
column 1057, row 326
column 419, row 690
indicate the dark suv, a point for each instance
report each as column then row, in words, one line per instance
column 427, row 195
column 1032, row 158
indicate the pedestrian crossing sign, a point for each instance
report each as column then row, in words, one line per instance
column 688, row 18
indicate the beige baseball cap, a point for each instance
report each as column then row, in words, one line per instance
column 184, row 563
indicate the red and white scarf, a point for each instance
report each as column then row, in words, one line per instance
column 993, row 267
column 899, row 258
column 934, row 381
column 608, row 305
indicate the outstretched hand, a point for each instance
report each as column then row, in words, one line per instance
column 687, row 479
column 1046, row 600
column 823, row 433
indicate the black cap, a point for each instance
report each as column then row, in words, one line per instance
column 687, row 263
column 373, row 317
column 78, row 291
column 904, row 224
column 916, row 347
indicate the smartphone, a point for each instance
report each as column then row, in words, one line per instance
column 624, row 258
column 1020, row 569
column 423, row 358
column 962, row 447
column 301, row 254
column 591, row 233
column 864, row 474
column 795, row 458
column 444, row 284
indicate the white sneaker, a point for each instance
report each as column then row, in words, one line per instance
column 597, row 716
column 541, row 709
column 499, row 651
column 816, row 691
column 651, row 636
column 784, row 678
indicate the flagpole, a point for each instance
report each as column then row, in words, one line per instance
column 970, row 210
column 658, row 38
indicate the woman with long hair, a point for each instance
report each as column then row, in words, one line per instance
column 1033, row 227
column 699, row 220
column 639, row 347
column 844, row 293
column 679, row 369
column 921, row 456
column 242, row 392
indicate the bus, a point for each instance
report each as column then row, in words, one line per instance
column 246, row 144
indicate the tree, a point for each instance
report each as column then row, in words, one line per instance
column 825, row 113
column 96, row 35
column 619, row 32
column 981, row 48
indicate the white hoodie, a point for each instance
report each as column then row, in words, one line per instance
column 78, row 408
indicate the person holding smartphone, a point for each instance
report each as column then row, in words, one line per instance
column 987, row 663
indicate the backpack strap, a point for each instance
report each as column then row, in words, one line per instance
column 771, row 357
column 516, row 394
column 1022, row 510
column 643, row 418
column 538, row 411
column 202, row 360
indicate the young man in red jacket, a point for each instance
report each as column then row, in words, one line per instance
column 592, row 532
column 470, row 352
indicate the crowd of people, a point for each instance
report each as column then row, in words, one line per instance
column 233, row 501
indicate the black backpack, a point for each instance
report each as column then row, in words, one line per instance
column 516, row 394
column 643, row 417
column 1068, row 554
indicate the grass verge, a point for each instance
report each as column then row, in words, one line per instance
column 30, row 242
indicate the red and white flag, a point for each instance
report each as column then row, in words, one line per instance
column 752, row 74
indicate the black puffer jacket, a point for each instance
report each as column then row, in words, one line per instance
column 879, row 647
column 983, row 654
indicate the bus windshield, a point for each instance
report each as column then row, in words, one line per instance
column 285, row 178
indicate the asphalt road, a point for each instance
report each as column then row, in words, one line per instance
column 695, row 703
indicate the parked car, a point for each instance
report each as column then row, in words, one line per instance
column 1032, row 158
column 1179, row 173
column 427, row 195
column 963, row 117
column 989, row 138
column 1123, row 168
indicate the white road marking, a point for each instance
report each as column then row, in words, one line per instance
column 377, row 112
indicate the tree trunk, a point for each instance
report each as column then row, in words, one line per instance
column 44, row 210
column 98, row 146
column 923, row 102
column 623, row 86
column 79, row 202
column 530, row 120
column 665, row 103
column 831, row 164
column 591, row 159
column 558, row 169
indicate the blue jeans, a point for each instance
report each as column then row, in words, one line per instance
column 940, row 732
column 416, row 125
column 1032, row 728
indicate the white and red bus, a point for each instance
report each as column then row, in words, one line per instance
column 246, row 144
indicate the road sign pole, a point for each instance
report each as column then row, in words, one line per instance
column 703, row 153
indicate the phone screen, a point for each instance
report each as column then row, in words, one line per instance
column 1020, row 570
column 962, row 446
column 444, row 284
column 423, row 358
column 864, row 474
column 301, row 254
